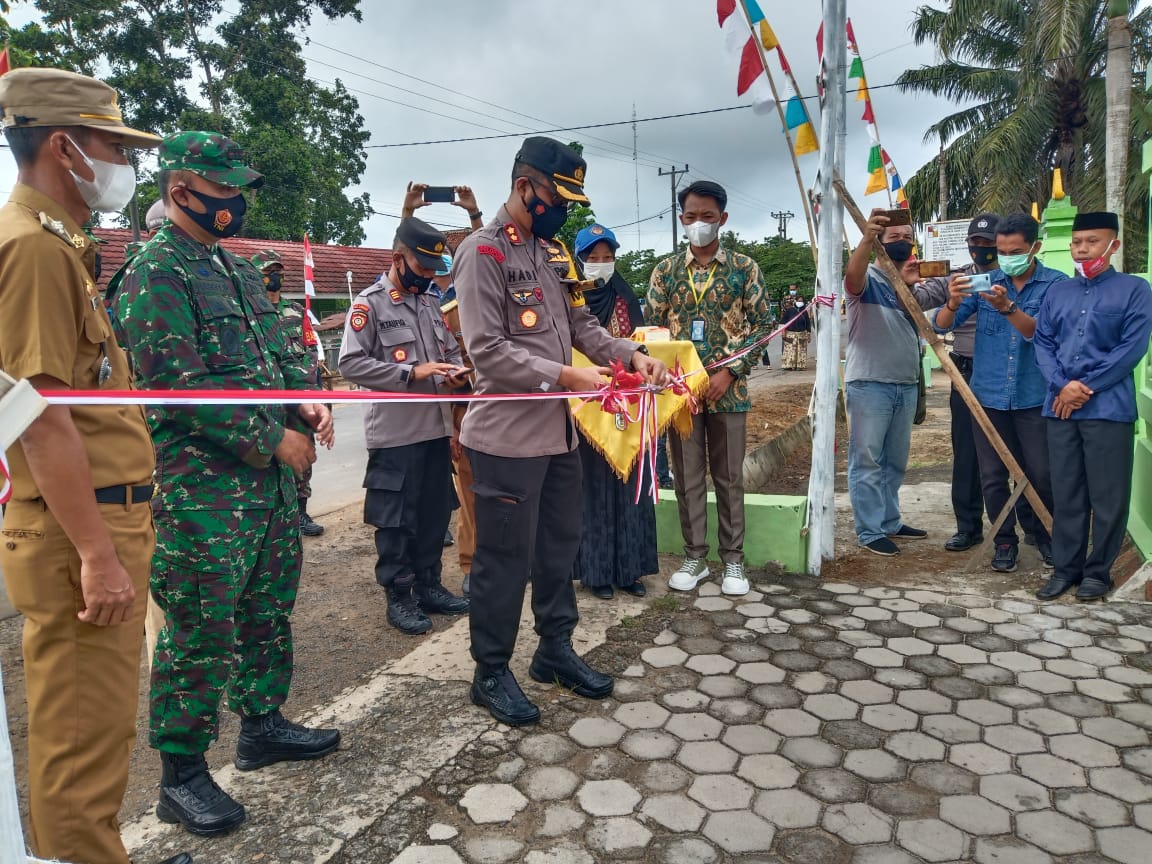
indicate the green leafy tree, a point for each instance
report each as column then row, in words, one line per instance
column 179, row 65
column 1034, row 71
column 636, row 269
column 782, row 263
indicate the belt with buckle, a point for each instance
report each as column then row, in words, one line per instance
column 125, row 494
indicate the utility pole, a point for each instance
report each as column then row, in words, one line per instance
column 782, row 223
column 673, row 172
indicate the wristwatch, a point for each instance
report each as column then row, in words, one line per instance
column 1010, row 310
column 476, row 214
column 643, row 349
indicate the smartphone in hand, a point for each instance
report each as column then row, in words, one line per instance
column 979, row 283
column 439, row 195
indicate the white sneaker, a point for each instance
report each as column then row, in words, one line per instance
column 735, row 583
column 691, row 573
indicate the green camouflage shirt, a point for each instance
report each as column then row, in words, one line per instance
column 198, row 317
column 292, row 320
column 733, row 306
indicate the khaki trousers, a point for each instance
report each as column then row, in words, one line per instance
column 466, row 526
column 82, row 681
column 717, row 444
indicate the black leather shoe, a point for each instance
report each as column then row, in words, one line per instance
column 449, row 540
column 604, row 592
column 1055, row 586
column 1092, row 588
column 182, row 858
column 636, row 589
column 962, row 541
column 270, row 738
column 498, row 691
column 556, row 661
column 308, row 528
column 435, row 599
column 405, row 614
column 189, row 796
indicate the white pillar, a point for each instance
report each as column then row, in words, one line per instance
column 830, row 273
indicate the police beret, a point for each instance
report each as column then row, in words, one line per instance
column 560, row 162
column 423, row 241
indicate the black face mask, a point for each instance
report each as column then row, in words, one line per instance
column 225, row 216
column 982, row 256
column 273, row 281
column 546, row 219
column 412, row 282
column 899, row 251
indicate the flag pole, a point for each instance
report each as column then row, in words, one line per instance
column 833, row 142
column 787, row 132
column 868, row 104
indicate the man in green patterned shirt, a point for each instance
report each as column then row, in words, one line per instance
column 716, row 300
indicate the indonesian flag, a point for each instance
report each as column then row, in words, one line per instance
column 308, row 332
column 5, row 64
column 5, row 477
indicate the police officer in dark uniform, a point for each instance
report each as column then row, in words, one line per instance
column 522, row 313
column 395, row 339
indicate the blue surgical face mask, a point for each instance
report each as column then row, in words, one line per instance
column 1016, row 265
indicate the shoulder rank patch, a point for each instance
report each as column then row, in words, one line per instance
column 396, row 296
column 359, row 318
column 492, row 251
column 399, row 355
column 513, row 233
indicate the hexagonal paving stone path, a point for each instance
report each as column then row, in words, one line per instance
column 842, row 725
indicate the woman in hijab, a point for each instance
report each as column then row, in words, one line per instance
column 619, row 544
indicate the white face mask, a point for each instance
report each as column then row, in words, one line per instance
column 601, row 270
column 701, row 234
column 799, row 304
column 111, row 186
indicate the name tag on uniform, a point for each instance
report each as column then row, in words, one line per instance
column 697, row 331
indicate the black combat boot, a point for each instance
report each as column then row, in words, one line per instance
column 270, row 738
column 496, row 689
column 308, row 528
column 404, row 612
column 190, row 796
column 435, row 599
column 556, row 661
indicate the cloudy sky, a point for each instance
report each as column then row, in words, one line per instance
column 521, row 66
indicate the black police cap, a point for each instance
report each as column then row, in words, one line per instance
column 423, row 241
column 560, row 162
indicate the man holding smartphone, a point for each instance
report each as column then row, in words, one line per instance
column 1005, row 377
column 395, row 339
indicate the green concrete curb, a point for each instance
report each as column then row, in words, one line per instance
column 774, row 529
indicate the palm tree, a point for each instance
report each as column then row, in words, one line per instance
column 1031, row 75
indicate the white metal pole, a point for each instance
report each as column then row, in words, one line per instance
column 348, row 276
column 830, row 272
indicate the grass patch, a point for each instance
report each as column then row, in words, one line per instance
column 667, row 603
column 629, row 623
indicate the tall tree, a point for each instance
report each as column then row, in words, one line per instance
column 1033, row 74
column 179, row 65
column 1118, row 85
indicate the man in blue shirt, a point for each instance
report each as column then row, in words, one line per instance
column 1005, row 377
column 1091, row 333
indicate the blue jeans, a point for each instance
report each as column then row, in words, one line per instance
column 880, row 420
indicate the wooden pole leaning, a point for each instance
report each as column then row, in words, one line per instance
column 958, row 383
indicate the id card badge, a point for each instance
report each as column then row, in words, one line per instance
column 697, row 332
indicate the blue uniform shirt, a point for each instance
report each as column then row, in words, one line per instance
column 1095, row 332
column 1005, row 376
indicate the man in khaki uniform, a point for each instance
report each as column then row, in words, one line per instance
column 78, row 535
column 395, row 339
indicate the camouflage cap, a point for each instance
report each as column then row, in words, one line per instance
column 211, row 156
column 266, row 258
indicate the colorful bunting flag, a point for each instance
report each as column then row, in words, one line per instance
column 799, row 124
column 4, row 62
column 876, row 178
column 754, row 13
column 767, row 37
column 724, row 8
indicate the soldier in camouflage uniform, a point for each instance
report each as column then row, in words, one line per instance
column 228, row 557
column 292, row 314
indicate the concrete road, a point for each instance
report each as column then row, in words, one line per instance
column 338, row 475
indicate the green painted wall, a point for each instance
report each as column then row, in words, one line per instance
column 774, row 529
column 1140, row 516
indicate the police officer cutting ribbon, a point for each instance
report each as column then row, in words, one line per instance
column 521, row 316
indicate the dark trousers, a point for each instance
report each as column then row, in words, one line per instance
column 409, row 500
column 1092, row 483
column 529, row 519
column 1024, row 431
column 967, row 496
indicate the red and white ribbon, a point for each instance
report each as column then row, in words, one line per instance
column 5, row 480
